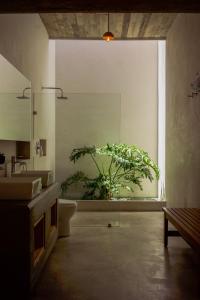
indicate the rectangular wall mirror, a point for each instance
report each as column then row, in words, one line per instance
column 15, row 103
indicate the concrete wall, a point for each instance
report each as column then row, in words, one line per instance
column 183, row 113
column 24, row 42
column 126, row 69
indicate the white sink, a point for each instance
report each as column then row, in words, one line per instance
column 46, row 176
column 21, row 188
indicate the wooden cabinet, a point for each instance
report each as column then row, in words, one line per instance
column 28, row 232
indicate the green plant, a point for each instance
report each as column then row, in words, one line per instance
column 128, row 166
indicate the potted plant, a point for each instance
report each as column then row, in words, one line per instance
column 128, row 166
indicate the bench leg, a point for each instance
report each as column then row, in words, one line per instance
column 165, row 231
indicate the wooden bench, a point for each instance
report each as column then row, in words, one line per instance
column 187, row 223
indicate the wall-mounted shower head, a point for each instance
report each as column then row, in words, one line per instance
column 61, row 97
column 23, row 96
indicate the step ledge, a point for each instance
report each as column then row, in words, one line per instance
column 120, row 205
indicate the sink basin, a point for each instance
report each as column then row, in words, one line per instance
column 21, row 188
column 46, row 176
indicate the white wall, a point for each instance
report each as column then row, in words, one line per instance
column 183, row 113
column 11, row 80
column 24, row 42
column 128, row 69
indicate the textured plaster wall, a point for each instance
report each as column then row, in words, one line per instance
column 127, row 69
column 183, row 113
column 24, row 42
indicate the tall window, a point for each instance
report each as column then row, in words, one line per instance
column 161, row 112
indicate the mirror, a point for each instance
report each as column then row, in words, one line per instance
column 15, row 103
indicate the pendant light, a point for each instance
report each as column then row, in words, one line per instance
column 108, row 36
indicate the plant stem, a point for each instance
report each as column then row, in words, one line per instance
column 103, row 171
column 109, row 170
column 96, row 164
column 124, row 174
column 116, row 172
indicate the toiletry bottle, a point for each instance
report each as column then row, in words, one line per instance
column 8, row 169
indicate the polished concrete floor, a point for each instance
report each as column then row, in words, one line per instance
column 124, row 262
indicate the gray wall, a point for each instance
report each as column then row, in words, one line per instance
column 182, row 113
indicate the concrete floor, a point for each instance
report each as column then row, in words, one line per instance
column 126, row 262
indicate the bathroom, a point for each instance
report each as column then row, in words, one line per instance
column 109, row 107
column 25, row 44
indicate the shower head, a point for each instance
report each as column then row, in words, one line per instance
column 61, row 97
column 23, row 96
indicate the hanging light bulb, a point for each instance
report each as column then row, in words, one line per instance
column 108, row 36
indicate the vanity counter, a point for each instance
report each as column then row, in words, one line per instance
column 28, row 231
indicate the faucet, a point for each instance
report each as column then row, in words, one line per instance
column 14, row 162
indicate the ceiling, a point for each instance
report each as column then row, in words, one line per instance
column 93, row 25
column 66, row 6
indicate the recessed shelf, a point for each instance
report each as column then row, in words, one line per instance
column 22, row 150
column 39, row 239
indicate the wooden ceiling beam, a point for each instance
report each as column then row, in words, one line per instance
column 62, row 6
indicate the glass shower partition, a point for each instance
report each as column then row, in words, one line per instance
column 87, row 119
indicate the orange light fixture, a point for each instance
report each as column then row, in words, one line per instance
column 108, row 35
